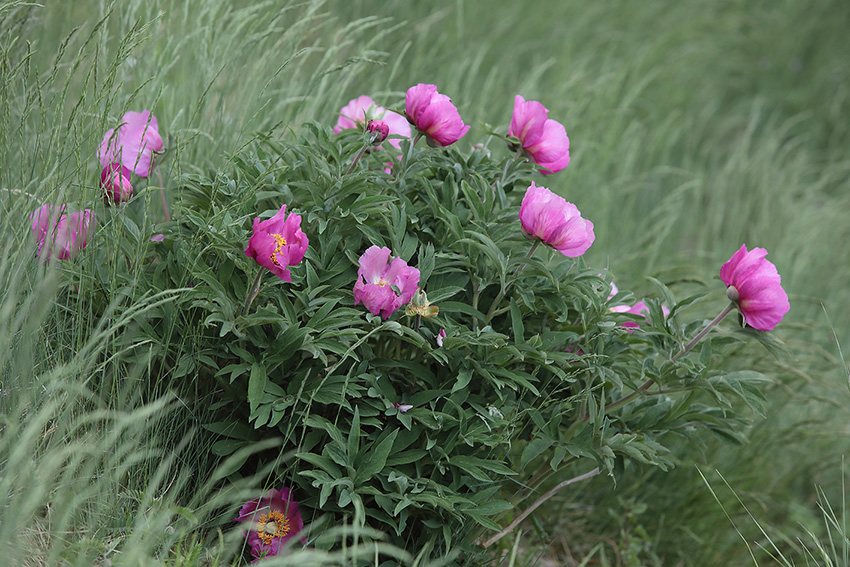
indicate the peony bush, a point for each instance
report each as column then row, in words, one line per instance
column 428, row 368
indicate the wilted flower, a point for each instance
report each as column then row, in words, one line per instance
column 544, row 139
column 420, row 305
column 61, row 235
column 402, row 408
column 277, row 243
column 115, row 182
column 274, row 519
column 556, row 222
column 361, row 110
column 134, row 144
column 384, row 283
column 440, row 336
column 434, row 114
column 755, row 285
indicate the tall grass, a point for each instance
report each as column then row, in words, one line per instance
column 694, row 127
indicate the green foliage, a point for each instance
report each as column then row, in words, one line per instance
column 535, row 373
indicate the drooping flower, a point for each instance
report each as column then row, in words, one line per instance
column 359, row 111
column 544, row 139
column 133, row 144
column 757, row 288
column 60, row 235
column 278, row 243
column 384, row 283
column 556, row 222
column 434, row 114
column 273, row 520
column 402, row 408
column 115, row 182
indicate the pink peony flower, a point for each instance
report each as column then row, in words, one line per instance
column 434, row 114
column 134, row 144
column 359, row 111
column 115, row 181
column 277, row 243
column 384, row 284
column 61, row 235
column 556, row 222
column 274, row 519
column 639, row 308
column 757, row 288
column 544, row 139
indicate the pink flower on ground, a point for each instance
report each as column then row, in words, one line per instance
column 359, row 111
column 434, row 114
column 134, row 144
column 384, row 283
column 115, row 181
column 277, row 243
column 274, row 519
column 61, row 235
column 757, row 286
column 556, row 222
column 639, row 308
column 544, row 139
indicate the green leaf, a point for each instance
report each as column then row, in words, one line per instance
column 256, row 385
column 375, row 459
column 533, row 450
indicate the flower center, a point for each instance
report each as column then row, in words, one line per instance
column 272, row 525
column 281, row 242
column 381, row 283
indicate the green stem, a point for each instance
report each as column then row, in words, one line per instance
column 513, row 278
column 359, row 155
column 254, row 291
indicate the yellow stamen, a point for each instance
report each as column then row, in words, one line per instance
column 281, row 242
column 381, row 283
column 272, row 525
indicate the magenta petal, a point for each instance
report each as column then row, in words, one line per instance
column 761, row 298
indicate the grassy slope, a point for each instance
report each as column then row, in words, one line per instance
column 694, row 127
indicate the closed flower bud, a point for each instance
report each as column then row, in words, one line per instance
column 115, row 182
column 378, row 131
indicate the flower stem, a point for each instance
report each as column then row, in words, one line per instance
column 162, row 195
column 513, row 278
column 254, row 291
column 643, row 387
column 359, row 155
column 538, row 502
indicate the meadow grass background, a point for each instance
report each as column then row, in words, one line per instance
column 694, row 127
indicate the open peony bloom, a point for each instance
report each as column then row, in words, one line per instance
column 556, row 222
column 757, row 288
column 115, row 182
column 434, row 114
column 61, row 235
column 278, row 243
column 384, row 283
column 544, row 139
column 134, row 144
column 274, row 519
column 361, row 110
